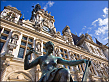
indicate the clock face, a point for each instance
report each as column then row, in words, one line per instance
column 46, row 28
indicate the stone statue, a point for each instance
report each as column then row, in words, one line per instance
column 37, row 8
column 48, row 64
column 38, row 46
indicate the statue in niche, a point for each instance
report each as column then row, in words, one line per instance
column 38, row 47
column 48, row 64
column 13, row 43
column 14, row 39
column 53, row 31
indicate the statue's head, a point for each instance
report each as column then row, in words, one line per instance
column 49, row 46
column 37, row 7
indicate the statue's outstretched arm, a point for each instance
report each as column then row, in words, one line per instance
column 28, row 65
column 72, row 62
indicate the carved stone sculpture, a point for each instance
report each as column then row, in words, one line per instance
column 38, row 47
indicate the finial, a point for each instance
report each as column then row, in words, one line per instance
column 49, row 12
column 23, row 17
column 75, row 33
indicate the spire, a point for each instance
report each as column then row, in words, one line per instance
column 76, row 33
column 97, row 42
column 23, row 17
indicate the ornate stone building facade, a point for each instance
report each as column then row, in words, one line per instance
column 18, row 35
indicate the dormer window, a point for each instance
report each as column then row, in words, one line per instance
column 92, row 49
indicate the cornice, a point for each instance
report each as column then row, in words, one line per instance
column 34, row 33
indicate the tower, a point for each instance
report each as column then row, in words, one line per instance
column 43, row 20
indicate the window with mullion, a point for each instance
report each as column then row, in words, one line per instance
column 21, row 52
column 3, row 37
column 29, row 45
column 62, row 55
column 1, row 45
column 29, row 56
column 24, row 38
column 6, row 32
column 61, row 50
column 23, row 43
column 65, row 52
column 66, row 56
column 30, row 40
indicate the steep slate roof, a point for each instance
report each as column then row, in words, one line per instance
column 75, row 38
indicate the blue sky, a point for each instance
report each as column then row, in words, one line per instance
column 81, row 16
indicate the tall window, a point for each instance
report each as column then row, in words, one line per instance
column 6, row 31
column 64, row 53
column 26, row 44
column 1, row 45
column 3, row 37
column 21, row 52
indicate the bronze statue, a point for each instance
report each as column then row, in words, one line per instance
column 48, row 63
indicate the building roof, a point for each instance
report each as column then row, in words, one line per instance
column 75, row 38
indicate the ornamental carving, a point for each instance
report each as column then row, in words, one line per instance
column 38, row 46
column 38, row 26
column 13, row 41
column 19, row 76
column 53, row 31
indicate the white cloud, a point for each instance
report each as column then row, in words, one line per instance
column 101, row 30
column 50, row 4
column 103, row 21
column 45, row 7
column 80, row 33
column 106, row 38
column 102, row 27
column 102, row 24
column 105, row 10
column 84, row 28
column 93, row 23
